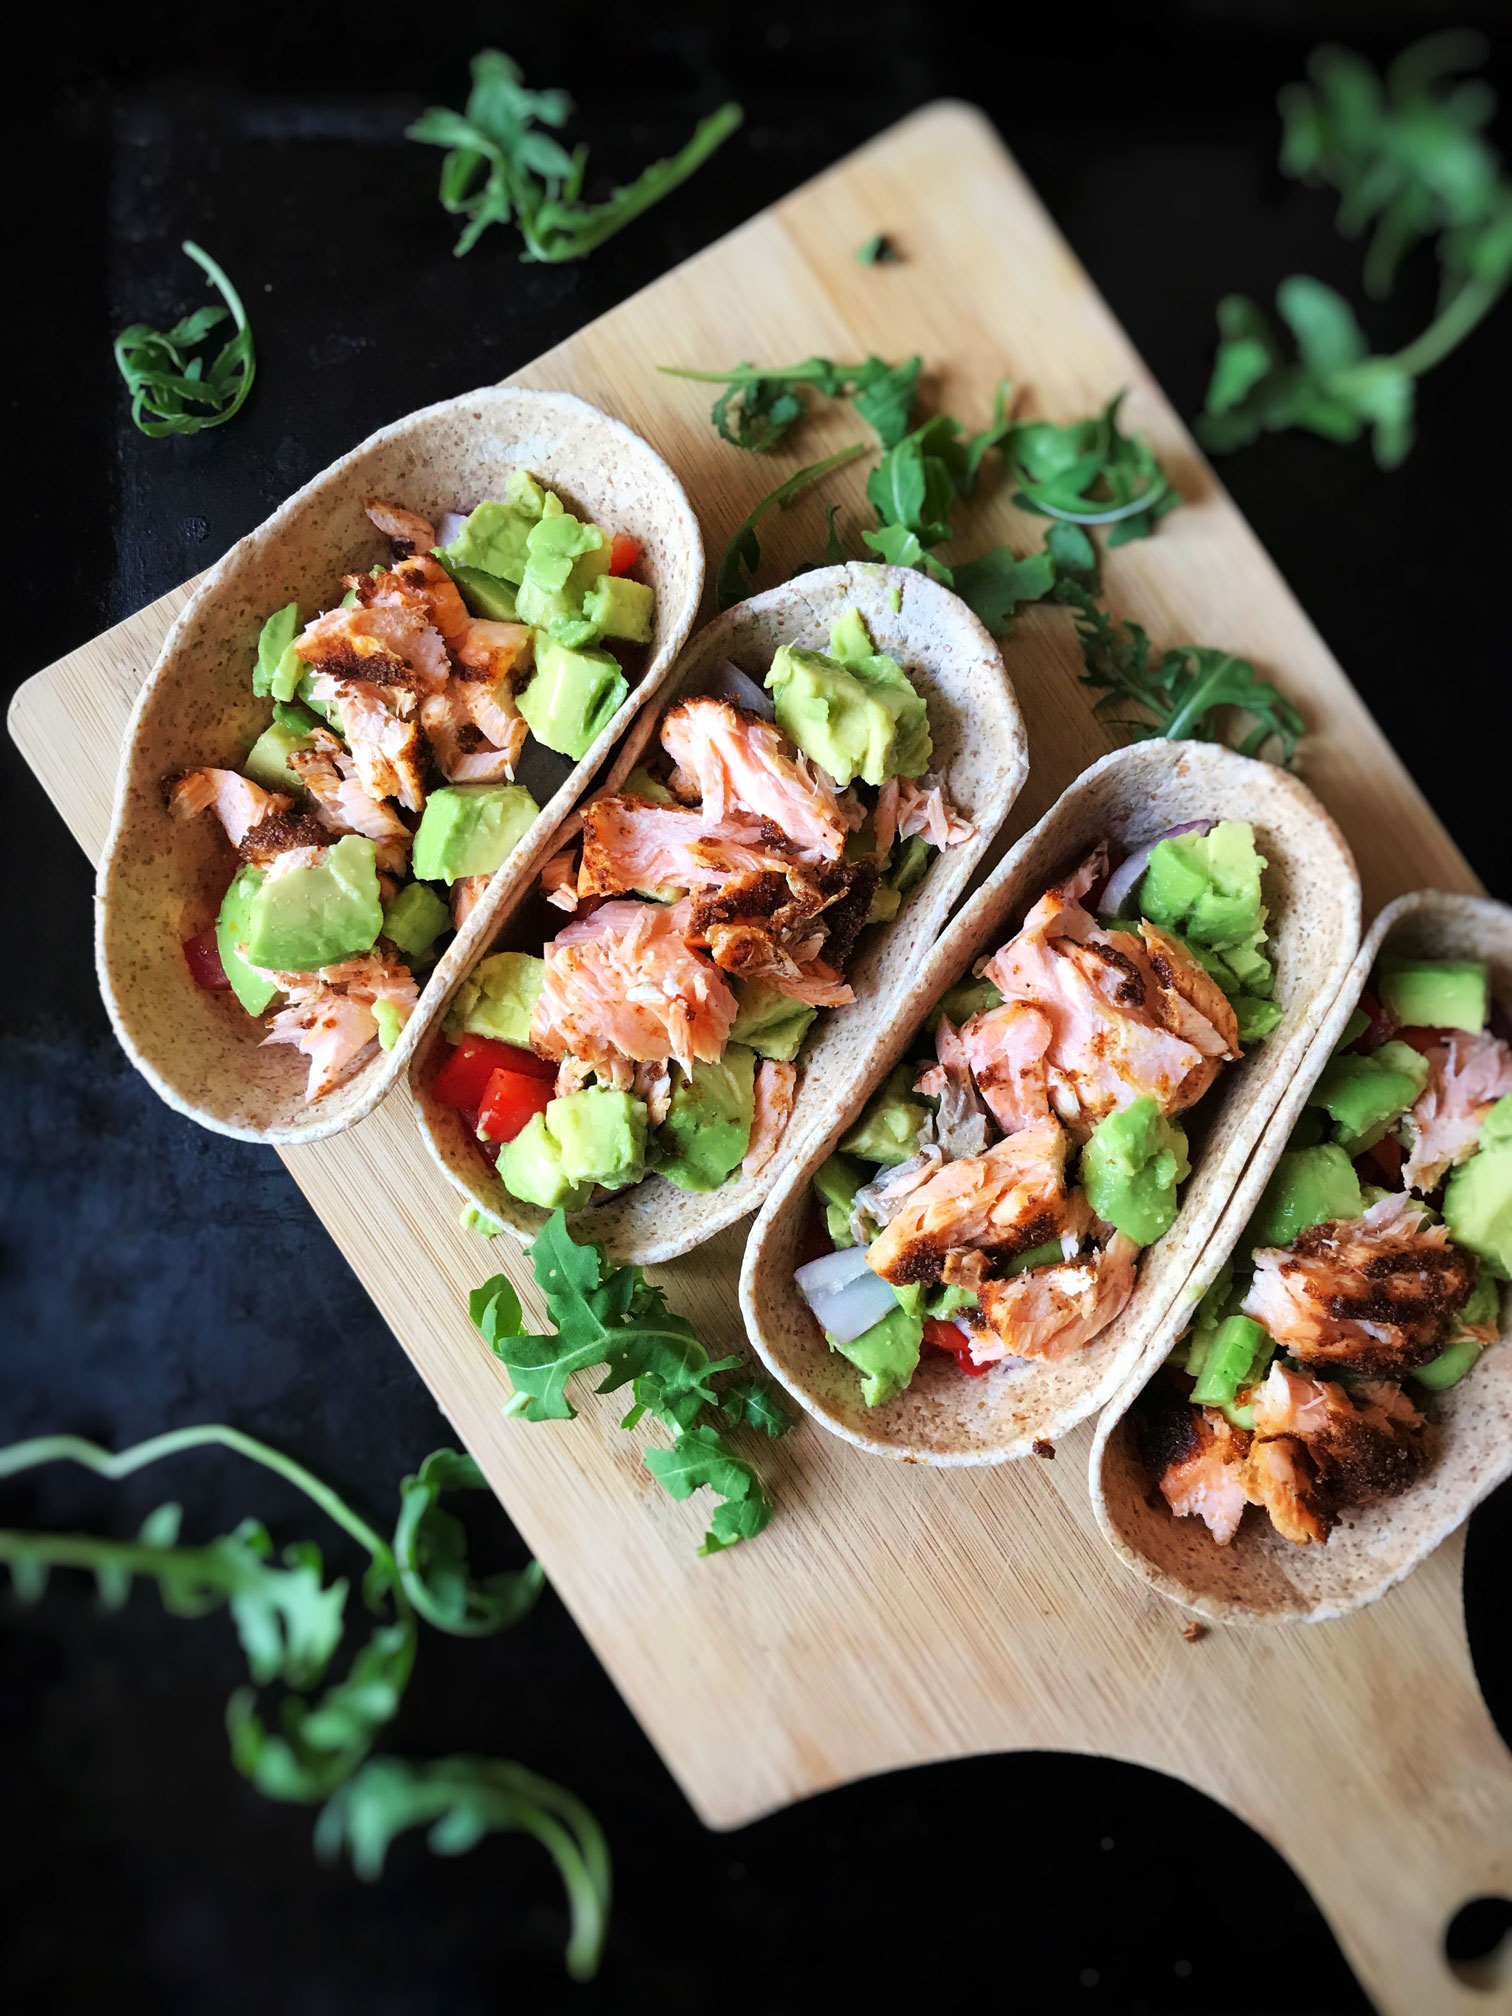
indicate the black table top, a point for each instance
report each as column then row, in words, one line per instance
column 153, row 1274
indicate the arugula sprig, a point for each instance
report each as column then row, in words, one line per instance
column 612, row 1317
column 1406, row 155
column 1176, row 693
column 761, row 403
column 735, row 576
column 291, row 1622
column 176, row 387
column 502, row 167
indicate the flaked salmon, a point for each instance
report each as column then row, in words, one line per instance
column 1366, row 1440
column 1280, row 1475
column 1197, row 1458
column 467, row 892
column 775, row 1089
column 962, row 1124
column 906, row 807
column 1002, row 1202
column 1124, row 1010
column 1007, row 1049
column 329, row 1017
column 236, row 801
column 391, row 646
column 385, row 746
column 328, row 772
column 1467, row 1074
column 736, row 763
column 631, row 842
column 793, row 929
column 1049, row 1312
column 624, row 983
column 1374, row 1295
column 408, row 531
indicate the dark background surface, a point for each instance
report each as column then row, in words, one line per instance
column 153, row 1275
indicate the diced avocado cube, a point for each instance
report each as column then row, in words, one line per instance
column 231, row 927
column 493, row 540
column 1308, row 1186
column 1354, row 1029
column 1478, row 1196
column 943, row 1302
column 1239, row 1350
column 530, row 1168
column 1130, row 1169
column 891, row 1121
column 643, row 785
column 553, row 547
column 965, row 999
column 885, row 904
column 317, row 916
column 470, row 829
column 573, row 696
column 1436, row 993
column 1035, row 1256
column 864, row 719
column 525, row 492
column 602, row 1136
column 910, row 864
column 273, row 644
column 497, row 999
column 616, row 606
column 415, row 920
column 1450, row 1366
column 389, row 1021
column 268, row 760
column 772, row 1024
column 486, row 595
column 836, row 1181
column 303, row 690
column 1255, row 1018
column 1364, row 1095
column 1206, row 887
column 887, row 1355
column 707, row 1131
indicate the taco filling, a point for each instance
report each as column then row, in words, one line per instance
column 993, row 1198
column 715, row 904
column 1367, row 1280
column 372, row 811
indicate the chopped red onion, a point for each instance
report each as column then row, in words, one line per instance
column 448, row 525
column 844, row 1294
column 1121, row 884
column 728, row 682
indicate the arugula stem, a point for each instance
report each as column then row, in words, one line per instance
column 217, row 278
column 659, row 180
column 88, row 1550
column 818, row 371
column 1449, row 329
column 126, row 1462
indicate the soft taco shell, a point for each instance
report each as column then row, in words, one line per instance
column 1313, row 893
column 161, row 881
column 979, row 746
column 1259, row 1578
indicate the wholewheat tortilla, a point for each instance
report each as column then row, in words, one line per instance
column 161, row 881
column 1259, row 1578
column 980, row 748
column 1313, row 892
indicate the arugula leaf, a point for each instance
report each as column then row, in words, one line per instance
column 736, row 575
column 1090, row 472
column 1176, row 693
column 762, row 410
column 878, row 251
column 766, row 400
column 883, row 394
column 753, row 1401
column 900, row 548
column 168, row 375
column 461, row 1800
column 994, row 585
column 614, row 1318
column 430, row 1552
column 500, row 166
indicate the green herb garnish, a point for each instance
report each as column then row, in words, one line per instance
column 1176, row 693
column 169, row 376
column 291, row 1622
column 613, row 1318
column 736, row 575
column 501, row 167
column 1406, row 155
column 760, row 404
column 878, row 251
column 1090, row 473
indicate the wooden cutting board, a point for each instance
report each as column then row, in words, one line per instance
column 892, row 1614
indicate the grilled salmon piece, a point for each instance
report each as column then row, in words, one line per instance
column 328, row 772
column 1001, row 1203
column 408, row 531
column 238, row 803
column 623, row 983
column 905, row 807
column 385, row 744
column 1049, row 1312
column 736, row 763
column 793, row 929
column 1467, row 1074
column 1124, row 1015
column 962, row 1125
column 329, row 1015
column 1280, row 1475
column 1374, row 1294
column 776, row 1088
column 1007, row 1047
column 1366, row 1440
column 393, row 645
column 631, row 842
column 1197, row 1458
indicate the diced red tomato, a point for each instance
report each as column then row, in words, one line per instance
column 463, row 1078
column 623, row 553
column 1380, row 1027
column 510, row 1102
column 1422, row 1040
column 945, row 1336
column 1382, row 1163
column 203, row 955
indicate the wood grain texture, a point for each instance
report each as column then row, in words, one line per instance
column 894, row 1614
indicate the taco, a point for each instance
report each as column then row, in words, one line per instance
column 357, row 735
column 1332, row 1394
column 732, row 920
column 1014, row 1184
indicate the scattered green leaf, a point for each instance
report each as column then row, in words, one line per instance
column 169, row 374
column 878, row 251
column 1089, row 472
column 736, row 575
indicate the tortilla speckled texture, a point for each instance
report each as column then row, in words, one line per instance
column 1313, row 892
column 161, row 881
column 1259, row 1578
column 980, row 748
